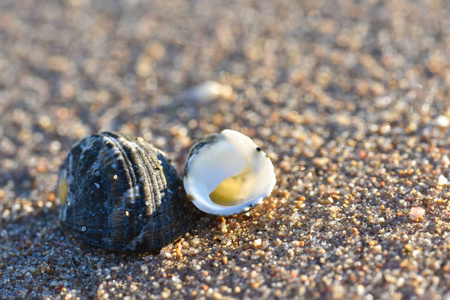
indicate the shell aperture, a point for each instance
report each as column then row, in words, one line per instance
column 227, row 174
column 122, row 194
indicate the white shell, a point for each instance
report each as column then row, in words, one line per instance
column 227, row 174
column 208, row 91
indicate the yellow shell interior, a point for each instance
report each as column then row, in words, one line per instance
column 232, row 190
column 62, row 190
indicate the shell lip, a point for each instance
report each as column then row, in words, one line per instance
column 221, row 210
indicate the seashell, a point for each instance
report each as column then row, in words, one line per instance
column 122, row 194
column 208, row 91
column 227, row 174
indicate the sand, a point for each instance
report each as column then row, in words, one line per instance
column 350, row 99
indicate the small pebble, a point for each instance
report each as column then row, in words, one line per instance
column 416, row 213
column 257, row 242
column 442, row 180
column 442, row 121
column 208, row 91
column 165, row 294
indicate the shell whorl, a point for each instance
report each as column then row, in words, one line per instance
column 123, row 194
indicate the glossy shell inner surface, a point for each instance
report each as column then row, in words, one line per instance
column 122, row 194
column 227, row 174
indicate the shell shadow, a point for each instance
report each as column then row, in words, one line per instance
column 41, row 229
column 38, row 226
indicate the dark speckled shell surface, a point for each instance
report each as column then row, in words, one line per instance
column 123, row 195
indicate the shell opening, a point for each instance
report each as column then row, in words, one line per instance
column 232, row 190
column 62, row 190
column 228, row 174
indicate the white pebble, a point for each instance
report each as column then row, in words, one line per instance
column 442, row 121
column 208, row 91
column 442, row 180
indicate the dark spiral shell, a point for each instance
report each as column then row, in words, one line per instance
column 122, row 194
